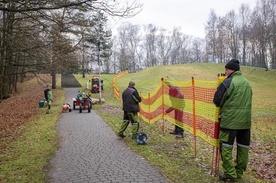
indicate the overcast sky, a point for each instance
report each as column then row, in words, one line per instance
column 190, row 15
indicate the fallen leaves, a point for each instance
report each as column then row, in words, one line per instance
column 16, row 110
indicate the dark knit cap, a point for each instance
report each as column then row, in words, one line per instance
column 233, row 65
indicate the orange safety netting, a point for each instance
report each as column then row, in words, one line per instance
column 200, row 115
column 115, row 88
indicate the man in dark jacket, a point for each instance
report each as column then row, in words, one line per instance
column 131, row 100
column 234, row 97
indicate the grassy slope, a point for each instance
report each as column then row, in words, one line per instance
column 173, row 157
column 263, row 82
column 27, row 157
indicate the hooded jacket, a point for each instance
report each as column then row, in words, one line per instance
column 234, row 97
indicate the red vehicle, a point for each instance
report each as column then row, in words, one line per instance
column 95, row 88
column 83, row 102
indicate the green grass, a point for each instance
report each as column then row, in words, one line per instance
column 27, row 158
column 175, row 158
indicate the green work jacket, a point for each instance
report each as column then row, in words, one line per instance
column 234, row 97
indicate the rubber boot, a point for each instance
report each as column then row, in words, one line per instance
column 123, row 127
column 227, row 161
column 242, row 160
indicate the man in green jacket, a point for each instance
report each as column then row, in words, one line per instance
column 48, row 97
column 234, row 97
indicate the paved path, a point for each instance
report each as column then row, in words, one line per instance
column 91, row 152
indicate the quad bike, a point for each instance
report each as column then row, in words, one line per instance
column 82, row 102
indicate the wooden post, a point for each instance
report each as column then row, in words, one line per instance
column 194, row 113
column 163, row 106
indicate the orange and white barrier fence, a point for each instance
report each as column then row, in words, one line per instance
column 200, row 115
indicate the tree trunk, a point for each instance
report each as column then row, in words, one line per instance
column 54, row 80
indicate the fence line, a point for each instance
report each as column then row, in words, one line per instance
column 200, row 115
column 115, row 88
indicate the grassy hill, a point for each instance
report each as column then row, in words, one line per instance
column 263, row 82
column 174, row 158
column 35, row 141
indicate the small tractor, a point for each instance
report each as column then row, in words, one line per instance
column 95, row 84
column 83, row 101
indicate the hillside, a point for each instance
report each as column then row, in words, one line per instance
column 263, row 82
column 262, row 159
column 175, row 161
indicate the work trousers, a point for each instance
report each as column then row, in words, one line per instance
column 130, row 117
column 178, row 115
column 227, row 138
column 49, row 103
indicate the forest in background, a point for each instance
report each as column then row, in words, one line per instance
column 247, row 35
column 71, row 37
column 45, row 36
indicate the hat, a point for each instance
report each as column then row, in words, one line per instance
column 167, row 82
column 131, row 84
column 233, row 65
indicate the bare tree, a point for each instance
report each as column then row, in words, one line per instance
column 164, row 46
column 262, row 21
column 115, row 55
column 198, row 46
column 124, row 55
column 133, row 39
column 185, row 52
column 232, row 34
column 211, row 35
column 271, row 35
column 221, row 40
column 50, row 19
column 177, row 43
column 150, row 45
column 249, row 37
column 244, row 30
